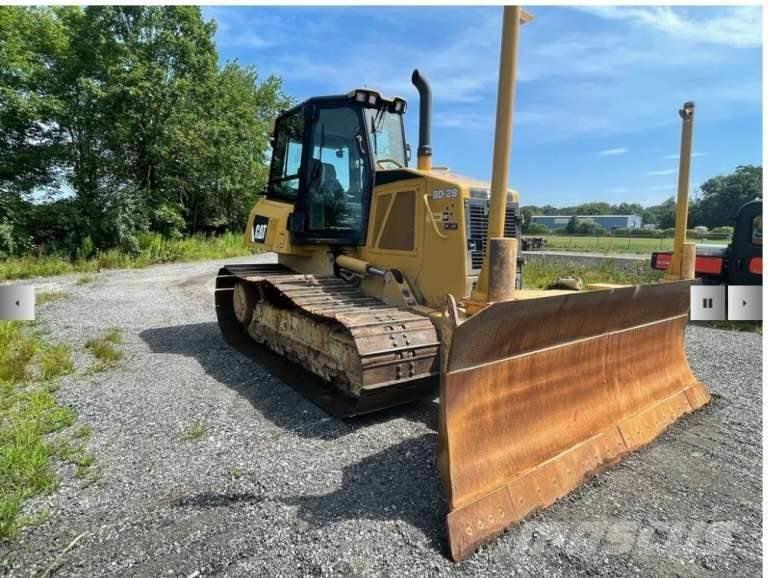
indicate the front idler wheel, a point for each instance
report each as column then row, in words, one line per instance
column 243, row 302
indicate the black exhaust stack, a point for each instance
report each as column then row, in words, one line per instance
column 425, row 120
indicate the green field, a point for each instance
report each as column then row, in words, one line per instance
column 539, row 274
column 615, row 244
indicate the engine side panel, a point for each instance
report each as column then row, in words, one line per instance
column 267, row 228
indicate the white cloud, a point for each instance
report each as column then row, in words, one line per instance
column 464, row 120
column 613, row 78
column 737, row 26
column 251, row 30
column 628, row 74
column 550, row 122
column 677, row 156
column 461, row 69
column 248, row 39
column 620, row 190
column 664, row 172
column 613, row 152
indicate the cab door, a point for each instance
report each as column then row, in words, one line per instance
column 333, row 200
column 746, row 255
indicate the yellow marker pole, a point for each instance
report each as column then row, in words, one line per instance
column 502, row 144
column 675, row 271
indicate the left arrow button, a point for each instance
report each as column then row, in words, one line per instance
column 17, row 302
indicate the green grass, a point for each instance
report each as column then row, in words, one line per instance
column 113, row 335
column 539, row 274
column 28, row 413
column 748, row 326
column 83, row 432
column 43, row 297
column 56, row 360
column 103, row 348
column 153, row 249
column 25, row 356
column 614, row 244
column 85, row 279
column 195, row 432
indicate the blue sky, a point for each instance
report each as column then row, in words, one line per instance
column 598, row 87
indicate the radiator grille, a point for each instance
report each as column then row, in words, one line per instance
column 477, row 228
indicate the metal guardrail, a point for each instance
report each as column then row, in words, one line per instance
column 610, row 243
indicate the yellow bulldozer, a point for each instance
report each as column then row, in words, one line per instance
column 394, row 283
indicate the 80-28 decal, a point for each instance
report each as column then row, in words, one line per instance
column 260, row 225
column 438, row 194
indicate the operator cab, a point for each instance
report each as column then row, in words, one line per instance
column 745, row 259
column 325, row 153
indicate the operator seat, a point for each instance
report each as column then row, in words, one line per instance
column 326, row 196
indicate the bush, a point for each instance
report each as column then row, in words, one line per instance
column 645, row 233
column 725, row 230
column 589, row 228
column 6, row 239
column 168, row 221
column 86, row 249
column 129, row 245
column 536, row 229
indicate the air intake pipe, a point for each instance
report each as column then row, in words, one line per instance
column 425, row 121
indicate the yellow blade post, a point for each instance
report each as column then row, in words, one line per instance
column 536, row 394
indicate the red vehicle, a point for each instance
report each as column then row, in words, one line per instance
column 740, row 263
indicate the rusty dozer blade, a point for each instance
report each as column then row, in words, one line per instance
column 536, row 394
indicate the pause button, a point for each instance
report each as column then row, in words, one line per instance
column 708, row 303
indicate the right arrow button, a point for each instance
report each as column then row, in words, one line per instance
column 745, row 303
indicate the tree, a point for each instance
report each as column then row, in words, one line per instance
column 627, row 209
column 223, row 141
column 663, row 215
column 527, row 215
column 723, row 195
column 32, row 148
column 128, row 107
column 572, row 225
column 131, row 69
column 592, row 209
column 31, row 145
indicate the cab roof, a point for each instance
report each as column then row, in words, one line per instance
column 366, row 96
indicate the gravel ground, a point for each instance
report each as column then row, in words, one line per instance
column 276, row 487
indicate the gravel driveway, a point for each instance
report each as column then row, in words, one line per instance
column 274, row 486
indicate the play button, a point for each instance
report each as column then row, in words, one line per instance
column 745, row 303
column 17, row 303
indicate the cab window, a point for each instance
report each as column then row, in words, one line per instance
column 757, row 230
column 387, row 138
column 337, row 171
column 286, row 156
